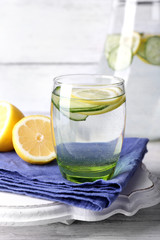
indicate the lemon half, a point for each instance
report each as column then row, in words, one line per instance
column 32, row 139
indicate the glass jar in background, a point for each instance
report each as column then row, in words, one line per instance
column 132, row 52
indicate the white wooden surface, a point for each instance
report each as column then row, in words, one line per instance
column 41, row 39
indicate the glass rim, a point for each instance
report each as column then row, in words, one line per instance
column 61, row 80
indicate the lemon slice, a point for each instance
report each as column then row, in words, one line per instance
column 99, row 96
column 133, row 41
column 32, row 139
column 142, row 48
column 88, row 101
column 149, row 50
column 107, row 108
column 9, row 116
column 145, row 36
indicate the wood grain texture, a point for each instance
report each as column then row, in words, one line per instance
column 144, row 225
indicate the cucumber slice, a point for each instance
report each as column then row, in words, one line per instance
column 72, row 116
column 112, row 41
column 107, row 108
column 57, row 91
column 152, row 50
column 78, row 109
column 131, row 40
column 120, row 58
column 75, row 105
column 141, row 53
column 87, row 110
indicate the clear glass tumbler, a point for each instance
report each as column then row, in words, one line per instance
column 88, row 121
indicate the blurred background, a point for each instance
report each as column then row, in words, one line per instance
column 40, row 39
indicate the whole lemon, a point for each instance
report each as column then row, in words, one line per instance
column 9, row 116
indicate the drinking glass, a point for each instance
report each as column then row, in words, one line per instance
column 88, row 121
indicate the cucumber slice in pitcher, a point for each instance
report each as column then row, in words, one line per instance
column 141, row 53
column 120, row 58
column 131, row 40
column 152, row 50
column 112, row 41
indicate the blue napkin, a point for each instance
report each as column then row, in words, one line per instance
column 46, row 182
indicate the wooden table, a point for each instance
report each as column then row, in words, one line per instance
column 40, row 40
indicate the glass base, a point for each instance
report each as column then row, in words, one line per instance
column 87, row 162
column 80, row 176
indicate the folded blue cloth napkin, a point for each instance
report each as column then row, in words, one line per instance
column 46, row 182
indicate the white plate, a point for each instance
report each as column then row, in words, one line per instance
column 18, row 210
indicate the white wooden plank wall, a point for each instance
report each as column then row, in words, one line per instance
column 52, row 31
column 41, row 39
column 29, row 86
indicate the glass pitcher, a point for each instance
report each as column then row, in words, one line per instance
column 132, row 52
